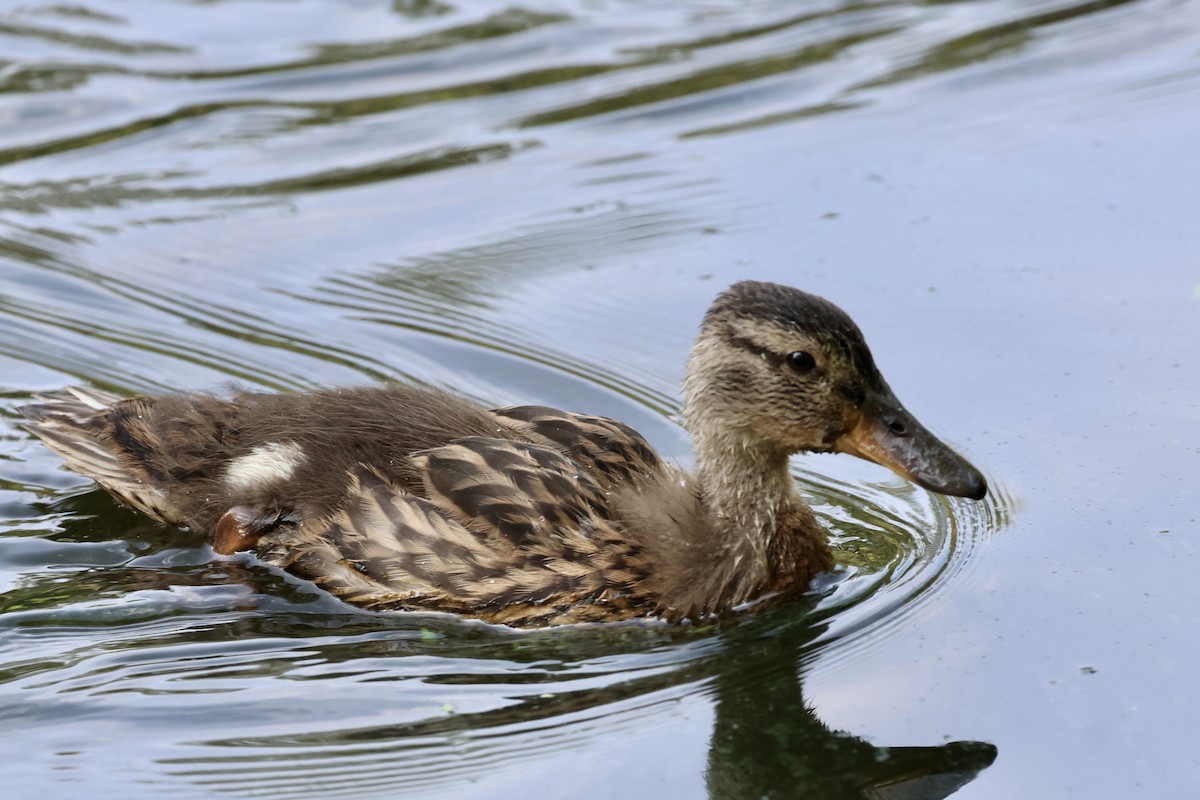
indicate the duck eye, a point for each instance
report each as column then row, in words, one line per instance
column 801, row 362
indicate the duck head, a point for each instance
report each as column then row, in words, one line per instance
column 777, row 371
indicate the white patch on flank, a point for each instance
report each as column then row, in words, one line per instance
column 267, row 463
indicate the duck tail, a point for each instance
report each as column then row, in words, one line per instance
column 76, row 424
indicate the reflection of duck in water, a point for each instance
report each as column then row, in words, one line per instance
column 768, row 742
column 397, row 497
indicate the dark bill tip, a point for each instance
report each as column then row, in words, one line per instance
column 890, row 436
column 968, row 482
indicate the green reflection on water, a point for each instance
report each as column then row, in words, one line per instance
column 990, row 42
column 708, row 80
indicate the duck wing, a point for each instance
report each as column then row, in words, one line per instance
column 612, row 452
column 511, row 531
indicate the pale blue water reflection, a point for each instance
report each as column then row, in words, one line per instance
column 535, row 203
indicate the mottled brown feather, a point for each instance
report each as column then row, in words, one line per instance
column 611, row 451
column 388, row 549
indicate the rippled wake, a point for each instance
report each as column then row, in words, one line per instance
column 527, row 202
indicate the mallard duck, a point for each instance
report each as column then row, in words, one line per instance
column 396, row 497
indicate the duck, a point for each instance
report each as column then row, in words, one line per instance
column 400, row 498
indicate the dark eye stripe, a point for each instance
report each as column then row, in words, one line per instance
column 774, row 359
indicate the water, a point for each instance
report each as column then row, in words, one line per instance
column 534, row 203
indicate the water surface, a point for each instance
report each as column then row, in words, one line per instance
column 535, row 202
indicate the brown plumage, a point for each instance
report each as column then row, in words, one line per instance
column 402, row 498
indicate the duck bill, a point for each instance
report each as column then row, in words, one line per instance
column 891, row 437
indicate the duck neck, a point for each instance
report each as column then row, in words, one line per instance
column 763, row 536
column 744, row 489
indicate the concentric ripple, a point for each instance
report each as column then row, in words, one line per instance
column 897, row 546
